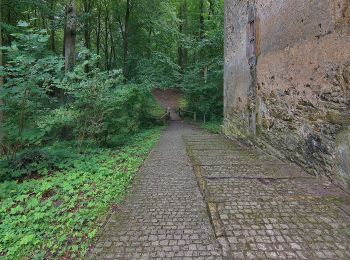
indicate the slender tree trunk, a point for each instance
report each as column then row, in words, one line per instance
column 87, row 5
column 98, row 32
column 1, row 82
column 112, row 54
column 201, row 20
column 126, row 39
column 201, row 36
column 87, row 9
column 106, row 37
column 149, row 51
column 53, row 29
column 44, row 22
column 53, row 40
column 35, row 20
column 182, row 52
column 70, row 35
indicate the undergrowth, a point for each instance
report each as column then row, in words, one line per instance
column 212, row 126
column 57, row 214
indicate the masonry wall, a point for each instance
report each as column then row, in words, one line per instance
column 294, row 98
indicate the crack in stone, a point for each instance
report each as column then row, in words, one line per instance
column 256, row 178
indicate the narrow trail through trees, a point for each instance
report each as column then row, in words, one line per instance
column 202, row 196
column 169, row 99
column 165, row 215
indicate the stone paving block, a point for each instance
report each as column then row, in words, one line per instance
column 165, row 215
column 271, row 209
column 255, row 171
column 249, row 205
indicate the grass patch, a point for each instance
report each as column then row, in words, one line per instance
column 212, row 126
column 57, row 215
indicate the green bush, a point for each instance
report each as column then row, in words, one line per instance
column 28, row 93
column 42, row 104
column 38, row 162
column 212, row 126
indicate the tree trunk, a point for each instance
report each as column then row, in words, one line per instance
column 106, row 37
column 182, row 52
column 53, row 40
column 201, row 36
column 112, row 53
column 201, row 20
column 1, row 82
column 70, row 35
column 149, row 51
column 126, row 39
column 98, row 32
column 53, row 29
column 87, row 6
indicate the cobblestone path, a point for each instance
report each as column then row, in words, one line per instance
column 263, row 208
column 227, row 202
column 165, row 215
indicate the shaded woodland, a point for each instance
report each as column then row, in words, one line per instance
column 77, row 113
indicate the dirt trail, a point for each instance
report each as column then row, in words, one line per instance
column 170, row 100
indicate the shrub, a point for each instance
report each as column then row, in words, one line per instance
column 42, row 104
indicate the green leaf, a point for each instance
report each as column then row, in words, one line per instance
column 23, row 24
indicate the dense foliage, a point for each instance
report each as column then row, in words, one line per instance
column 55, row 216
column 160, row 43
column 212, row 126
column 77, row 111
column 42, row 104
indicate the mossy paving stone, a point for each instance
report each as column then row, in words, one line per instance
column 259, row 207
column 256, row 170
column 269, row 209
column 165, row 215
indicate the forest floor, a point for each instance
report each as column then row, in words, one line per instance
column 200, row 195
column 56, row 215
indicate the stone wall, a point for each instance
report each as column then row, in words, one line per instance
column 287, row 80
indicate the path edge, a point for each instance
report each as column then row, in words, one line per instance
column 211, row 204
